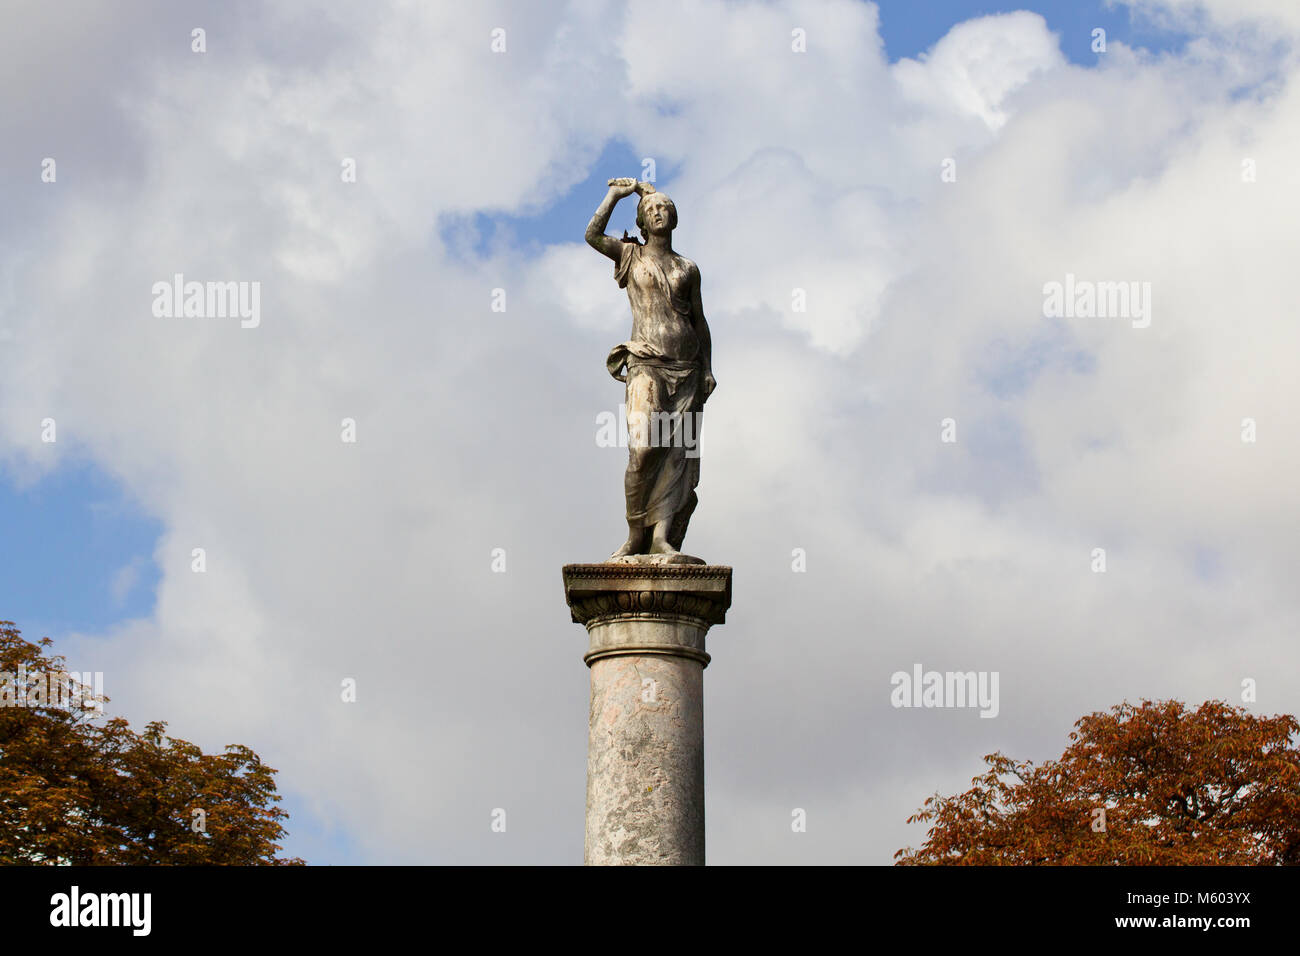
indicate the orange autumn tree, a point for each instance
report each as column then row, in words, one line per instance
column 1154, row 784
column 75, row 789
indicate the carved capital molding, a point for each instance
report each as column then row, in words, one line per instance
column 688, row 593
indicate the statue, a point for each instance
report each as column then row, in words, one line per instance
column 669, row 374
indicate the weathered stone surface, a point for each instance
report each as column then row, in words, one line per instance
column 677, row 558
column 645, row 753
column 674, row 591
column 666, row 366
column 645, row 762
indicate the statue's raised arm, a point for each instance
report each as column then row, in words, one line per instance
column 618, row 189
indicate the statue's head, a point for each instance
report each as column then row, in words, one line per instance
column 656, row 214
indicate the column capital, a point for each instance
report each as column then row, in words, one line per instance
column 602, row 593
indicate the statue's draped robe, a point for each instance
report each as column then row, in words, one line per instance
column 664, row 397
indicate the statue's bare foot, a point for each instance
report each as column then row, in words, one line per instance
column 631, row 546
column 659, row 546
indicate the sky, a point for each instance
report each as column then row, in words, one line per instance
column 919, row 172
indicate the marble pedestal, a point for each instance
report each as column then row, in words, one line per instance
column 645, row 749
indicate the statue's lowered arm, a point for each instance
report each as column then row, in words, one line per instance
column 702, row 330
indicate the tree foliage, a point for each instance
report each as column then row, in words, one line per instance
column 1153, row 784
column 76, row 788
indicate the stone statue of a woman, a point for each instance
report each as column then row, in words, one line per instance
column 669, row 373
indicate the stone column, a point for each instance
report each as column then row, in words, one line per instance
column 645, row 748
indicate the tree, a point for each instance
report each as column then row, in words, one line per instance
column 79, row 789
column 1152, row 784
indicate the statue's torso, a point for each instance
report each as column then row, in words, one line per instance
column 662, row 318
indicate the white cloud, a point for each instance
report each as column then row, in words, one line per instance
column 978, row 64
column 124, row 581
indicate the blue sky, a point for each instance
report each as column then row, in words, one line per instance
column 910, row 28
column 78, row 555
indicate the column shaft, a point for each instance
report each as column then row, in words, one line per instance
column 645, row 750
